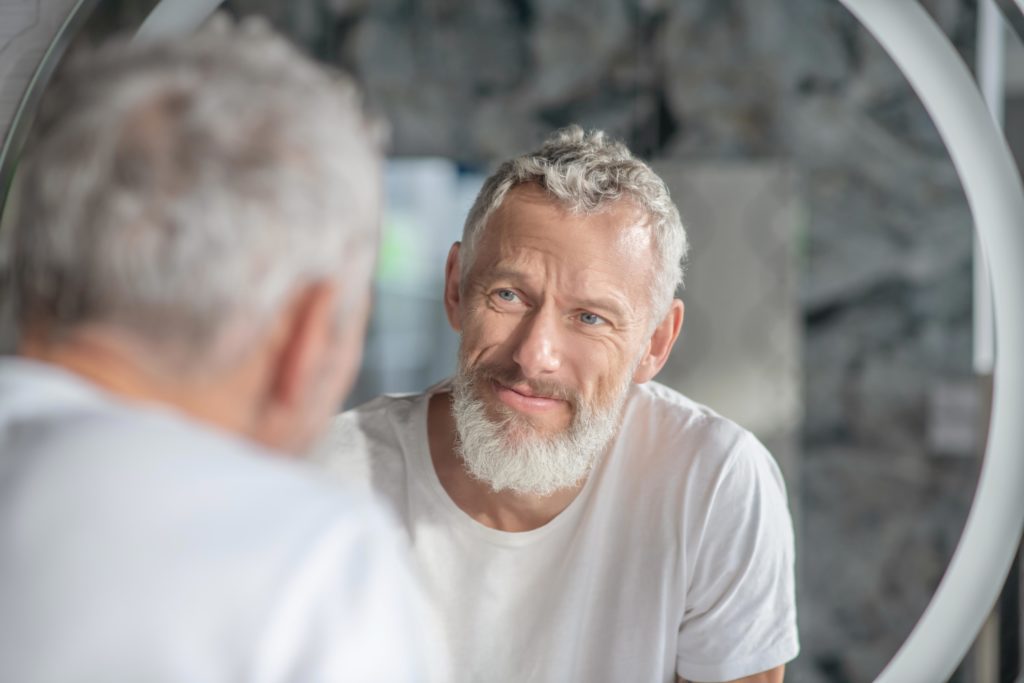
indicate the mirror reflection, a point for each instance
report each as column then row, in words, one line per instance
column 828, row 310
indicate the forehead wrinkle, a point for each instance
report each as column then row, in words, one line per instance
column 516, row 249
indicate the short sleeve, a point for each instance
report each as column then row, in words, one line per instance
column 353, row 611
column 740, row 616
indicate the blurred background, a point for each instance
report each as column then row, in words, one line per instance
column 830, row 296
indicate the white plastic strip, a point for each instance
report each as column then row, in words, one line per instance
column 990, row 68
column 991, row 57
column 979, row 566
column 175, row 17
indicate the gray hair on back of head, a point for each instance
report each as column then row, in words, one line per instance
column 182, row 189
column 587, row 171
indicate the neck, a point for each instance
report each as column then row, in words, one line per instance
column 124, row 367
column 502, row 510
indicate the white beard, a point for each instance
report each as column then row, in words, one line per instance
column 509, row 455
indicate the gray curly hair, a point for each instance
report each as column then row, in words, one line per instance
column 587, row 171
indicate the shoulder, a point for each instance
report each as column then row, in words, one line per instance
column 219, row 497
column 694, row 450
column 365, row 446
column 353, row 596
column 221, row 537
column 377, row 421
column 230, row 481
column 282, row 495
column 677, row 428
column 305, row 528
column 337, row 588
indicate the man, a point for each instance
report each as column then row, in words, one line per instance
column 196, row 229
column 574, row 520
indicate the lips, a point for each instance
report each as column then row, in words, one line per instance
column 523, row 399
column 524, row 390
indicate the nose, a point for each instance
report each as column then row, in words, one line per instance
column 537, row 350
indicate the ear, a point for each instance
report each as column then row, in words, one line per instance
column 307, row 334
column 452, row 288
column 660, row 345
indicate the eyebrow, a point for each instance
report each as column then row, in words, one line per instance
column 602, row 303
column 494, row 274
column 606, row 304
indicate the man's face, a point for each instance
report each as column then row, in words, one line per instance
column 554, row 315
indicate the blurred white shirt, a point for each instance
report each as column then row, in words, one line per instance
column 137, row 545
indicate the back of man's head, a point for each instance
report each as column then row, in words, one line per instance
column 182, row 189
column 183, row 193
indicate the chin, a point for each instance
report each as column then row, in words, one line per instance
column 520, row 428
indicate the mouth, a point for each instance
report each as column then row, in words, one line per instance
column 520, row 398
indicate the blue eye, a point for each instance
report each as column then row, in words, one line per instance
column 591, row 319
column 507, row 295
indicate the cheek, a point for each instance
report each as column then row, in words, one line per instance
column 601, row 367
column 484, row 333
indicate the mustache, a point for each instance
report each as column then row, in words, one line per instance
column 510, row 376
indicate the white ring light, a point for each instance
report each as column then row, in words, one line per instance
column 982, row 559
column 993, row 187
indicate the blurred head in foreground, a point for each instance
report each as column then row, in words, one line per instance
column 197, row 227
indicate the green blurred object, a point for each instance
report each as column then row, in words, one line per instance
column 400, row 261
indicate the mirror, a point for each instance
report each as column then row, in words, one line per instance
column 829, row 292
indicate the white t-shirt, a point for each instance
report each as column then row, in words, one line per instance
column 676, row 557
column 136, row 545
